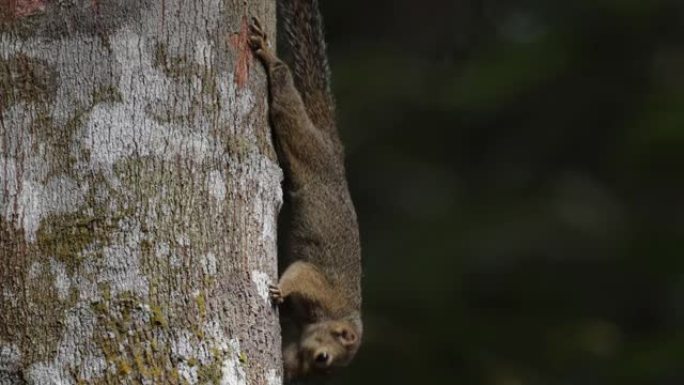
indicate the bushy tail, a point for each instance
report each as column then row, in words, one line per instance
column 302, row 26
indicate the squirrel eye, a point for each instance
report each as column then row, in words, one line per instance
column 322, row 358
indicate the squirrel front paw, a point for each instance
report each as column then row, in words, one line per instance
column 275, row 294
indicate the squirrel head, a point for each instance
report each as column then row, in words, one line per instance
column 327, row 345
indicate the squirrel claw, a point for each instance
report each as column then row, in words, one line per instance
column 257, row 37
column 256, row 23
column 275, row 294
column 256, row 29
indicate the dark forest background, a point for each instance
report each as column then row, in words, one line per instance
column 517, row 167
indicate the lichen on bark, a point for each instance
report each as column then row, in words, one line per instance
column 139, row 192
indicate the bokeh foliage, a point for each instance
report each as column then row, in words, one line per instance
column 517, row 169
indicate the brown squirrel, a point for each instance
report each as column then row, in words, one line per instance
column 319, row 292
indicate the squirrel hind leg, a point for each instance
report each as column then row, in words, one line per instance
column 258, row 41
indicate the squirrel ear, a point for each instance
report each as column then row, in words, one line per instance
column 345, row 335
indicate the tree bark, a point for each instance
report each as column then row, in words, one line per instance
column 139, row 194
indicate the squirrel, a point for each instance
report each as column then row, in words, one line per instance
column 319, row 292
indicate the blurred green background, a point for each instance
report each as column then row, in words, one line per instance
column 517, row 167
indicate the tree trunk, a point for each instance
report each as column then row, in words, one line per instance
column 139, row 192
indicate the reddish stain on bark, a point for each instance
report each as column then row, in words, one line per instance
column 23, row 8
column 240, row 44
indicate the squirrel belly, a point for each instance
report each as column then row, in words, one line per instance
column 319, row 292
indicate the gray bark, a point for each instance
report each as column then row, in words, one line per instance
column 139, row 193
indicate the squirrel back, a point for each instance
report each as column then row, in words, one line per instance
column 323, row 227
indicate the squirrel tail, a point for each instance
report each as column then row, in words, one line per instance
column 304, row 38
